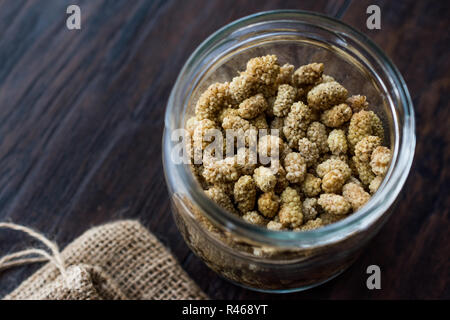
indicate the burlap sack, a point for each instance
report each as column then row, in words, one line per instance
column 120, row 260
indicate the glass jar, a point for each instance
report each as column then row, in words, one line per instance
column 286, row 261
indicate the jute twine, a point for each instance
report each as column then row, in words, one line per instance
column 120, row 260
column 22, row 257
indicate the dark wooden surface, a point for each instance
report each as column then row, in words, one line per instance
column 81, row 119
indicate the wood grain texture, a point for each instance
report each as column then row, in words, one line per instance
column 81, row 119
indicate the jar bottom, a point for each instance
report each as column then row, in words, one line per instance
column 231, row 259
column 291, row 290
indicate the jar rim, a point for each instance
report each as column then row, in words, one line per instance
column 360, row 220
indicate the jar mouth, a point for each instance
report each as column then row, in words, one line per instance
column 403, row 148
